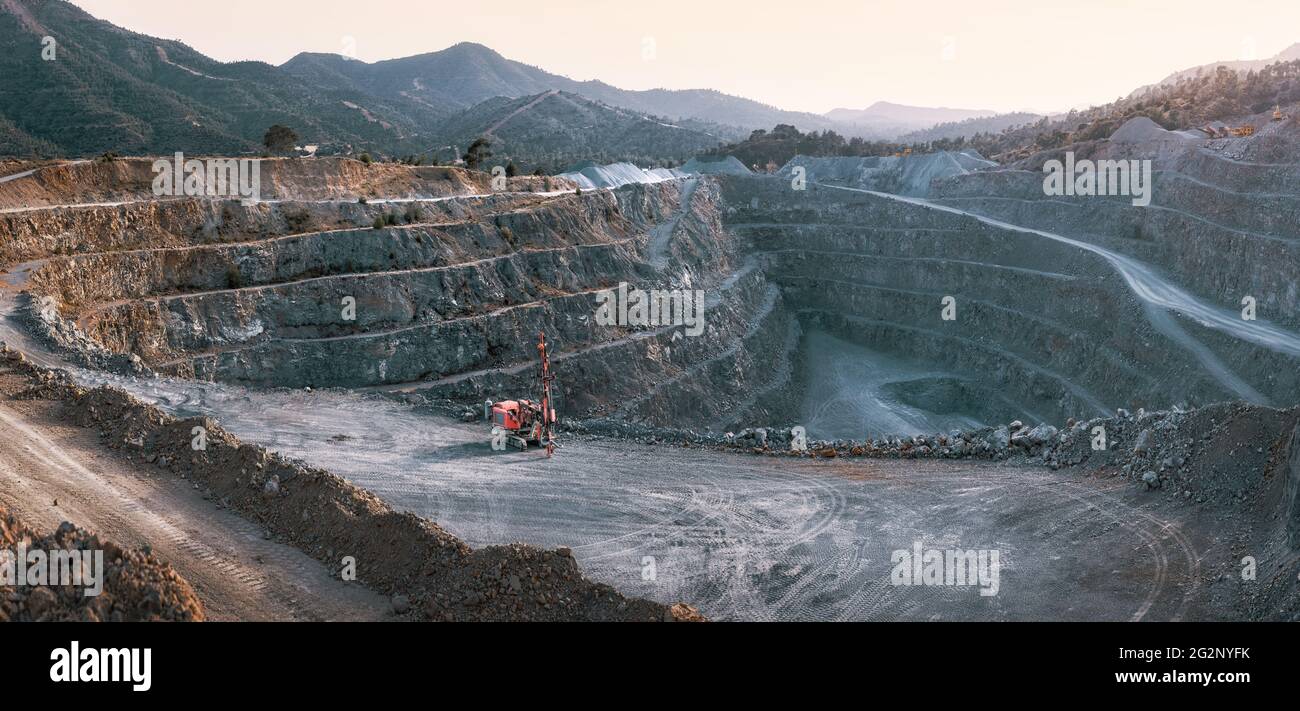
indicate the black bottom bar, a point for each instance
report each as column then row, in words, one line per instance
column 935, row 661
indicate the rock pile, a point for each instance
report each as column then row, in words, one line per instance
column 137, row 587
column 1220, row 451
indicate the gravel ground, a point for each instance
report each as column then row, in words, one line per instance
column 766, row 538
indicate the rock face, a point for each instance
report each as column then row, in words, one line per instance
column 442, row 298
column 281, row 179
column 1049, row 328
column 1060, row 327
column 1217, row 224
column 958, row 318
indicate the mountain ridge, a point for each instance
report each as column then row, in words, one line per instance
column 1289, row 54
column 468, row 73
column 890, row 111
column 115, row 90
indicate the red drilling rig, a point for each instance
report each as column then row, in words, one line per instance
column 524, row 421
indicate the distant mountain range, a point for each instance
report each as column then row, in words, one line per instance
column 465, row 74
column 1289, row 54
column 554, row 129
column 970, row 127
column 110, row 89
column 889, row 120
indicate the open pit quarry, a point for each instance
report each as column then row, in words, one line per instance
column 949, row 338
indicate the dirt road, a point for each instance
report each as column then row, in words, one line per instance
column 52, row 471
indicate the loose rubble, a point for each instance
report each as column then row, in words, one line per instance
column 137, row 587
column 1181, row 452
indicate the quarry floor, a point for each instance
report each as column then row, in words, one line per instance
column 748, row 537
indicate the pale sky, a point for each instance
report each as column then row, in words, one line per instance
column 809, row 55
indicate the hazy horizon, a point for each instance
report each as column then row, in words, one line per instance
column 814, row 57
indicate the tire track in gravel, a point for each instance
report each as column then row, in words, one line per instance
column 1152, row 532
column 744, row 537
